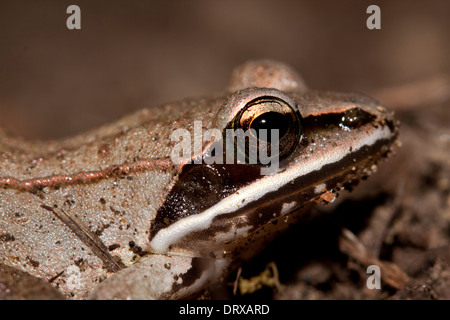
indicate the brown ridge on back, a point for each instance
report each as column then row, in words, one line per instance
column 56, row 181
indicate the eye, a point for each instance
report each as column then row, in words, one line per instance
column 269, row 113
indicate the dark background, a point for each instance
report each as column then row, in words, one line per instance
column 56, row 82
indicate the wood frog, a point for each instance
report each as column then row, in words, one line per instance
column 107, row 214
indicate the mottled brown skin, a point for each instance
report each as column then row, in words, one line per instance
column 120, row 175
column 78, row 211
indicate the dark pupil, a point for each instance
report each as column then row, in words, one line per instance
column 272, row 120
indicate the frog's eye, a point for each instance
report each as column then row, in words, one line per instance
column 260, row 116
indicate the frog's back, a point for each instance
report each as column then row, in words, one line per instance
column 76, row 210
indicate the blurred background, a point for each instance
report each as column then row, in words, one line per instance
column 56, row 82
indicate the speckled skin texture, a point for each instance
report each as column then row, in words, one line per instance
column 118, row 209
column 76, row 211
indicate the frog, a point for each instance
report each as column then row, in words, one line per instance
column 109, row 214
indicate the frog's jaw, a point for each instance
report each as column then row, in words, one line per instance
column 343, row 135
column 234, row 220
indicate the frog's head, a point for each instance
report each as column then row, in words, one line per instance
column 327, row 142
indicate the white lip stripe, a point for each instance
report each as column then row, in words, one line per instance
column 175, row 232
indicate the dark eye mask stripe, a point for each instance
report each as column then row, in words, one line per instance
column 352, row 119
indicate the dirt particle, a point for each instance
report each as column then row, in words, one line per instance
column 70, row 202
column 327, row 197
column 82, row 264
column 113, row 246
column 114, row 210
column 52, row 279
column 5, row 237
column 136, row 249
column 99, row 231
column 34, row 263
